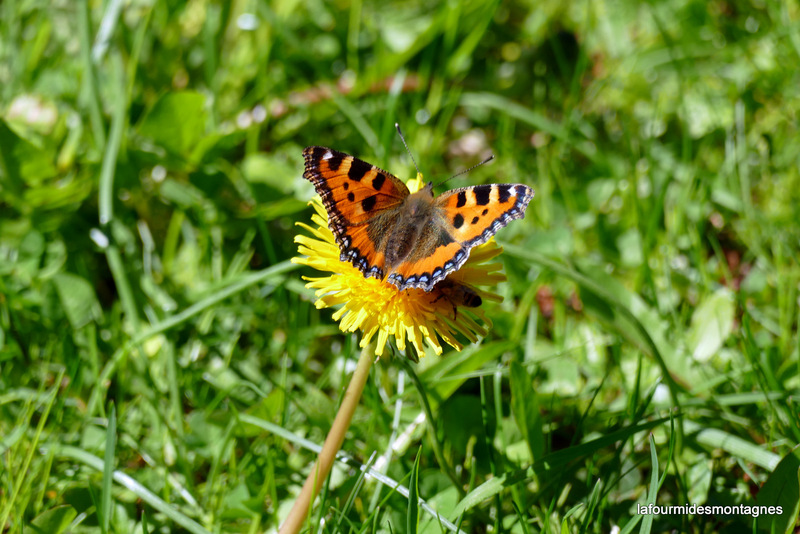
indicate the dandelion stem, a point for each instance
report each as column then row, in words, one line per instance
column 333, row 443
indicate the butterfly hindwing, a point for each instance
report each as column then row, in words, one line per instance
column 355, row 194
column 363, row 252
column 429, row 263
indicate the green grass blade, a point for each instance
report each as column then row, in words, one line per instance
column 109, row 456
column 90, row 78
column 652, row 490
column 360, row 123
column 714, row 438
column 412, row 515
column 24, row 477
column 133, row 486
column 118, row 123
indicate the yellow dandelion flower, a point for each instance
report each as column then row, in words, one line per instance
column 378, row 308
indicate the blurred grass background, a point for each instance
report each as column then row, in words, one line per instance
column 163, row 368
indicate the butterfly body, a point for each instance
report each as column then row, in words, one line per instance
column 458, row 294
column 409, row 239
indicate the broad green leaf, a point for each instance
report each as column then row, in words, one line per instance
column 782, row 489
column 53, row 521
column 699, row 480
column 712, row 322
column 30, row 255
column 182, row 194
column 270, row 170
column 629, row 244
column 235, row 503
column 77, row 298
column 22, row 162
column 11, row 438
column 176, row 122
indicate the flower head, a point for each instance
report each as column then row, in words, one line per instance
column 377, row 307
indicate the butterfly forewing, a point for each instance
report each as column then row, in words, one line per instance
column 354, row 194
column 352, row 190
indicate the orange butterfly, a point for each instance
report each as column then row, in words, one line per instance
column 409, row 239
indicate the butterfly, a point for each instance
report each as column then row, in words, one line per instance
column 412, row 240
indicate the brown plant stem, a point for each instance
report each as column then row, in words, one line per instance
column 319, row 473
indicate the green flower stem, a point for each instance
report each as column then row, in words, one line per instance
column 333, row 443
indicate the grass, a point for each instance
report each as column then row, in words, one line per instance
column 163, row 367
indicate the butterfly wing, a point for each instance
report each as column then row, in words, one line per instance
column 360, row 200
column 474, row 214
column 463, row 218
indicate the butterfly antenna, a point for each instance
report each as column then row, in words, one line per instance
column 487, row 160
column 402, row 137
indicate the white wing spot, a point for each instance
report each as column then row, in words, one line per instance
column 327, row 155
